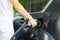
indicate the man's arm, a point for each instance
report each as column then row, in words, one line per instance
column 21, row 9
column 23, row 12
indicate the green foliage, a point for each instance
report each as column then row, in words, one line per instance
column 23, row 2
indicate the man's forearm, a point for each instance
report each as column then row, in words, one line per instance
column 21, row 9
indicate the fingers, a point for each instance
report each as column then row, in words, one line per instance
column 33, row 22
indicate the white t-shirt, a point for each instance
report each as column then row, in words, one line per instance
column 6, row 10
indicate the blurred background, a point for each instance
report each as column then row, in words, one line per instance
column 53, row 9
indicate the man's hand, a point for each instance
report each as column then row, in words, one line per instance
column 33, row 22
